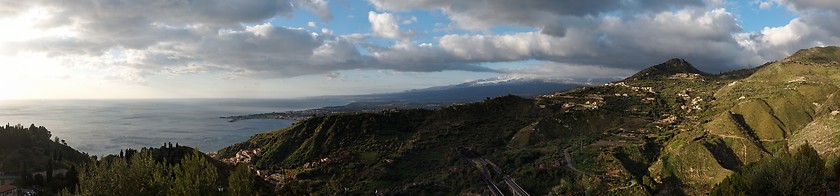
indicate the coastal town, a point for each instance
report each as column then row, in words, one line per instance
column 356, row 107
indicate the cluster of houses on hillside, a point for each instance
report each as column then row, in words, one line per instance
column 686, row 75
column 247, row 157
column 634, row 88
column 7, row 189
column 594, row 101
column 243, row 156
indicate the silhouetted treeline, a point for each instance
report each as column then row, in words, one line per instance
column 164, row 171
column 19, row 136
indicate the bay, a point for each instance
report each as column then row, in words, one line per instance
column 101, row 127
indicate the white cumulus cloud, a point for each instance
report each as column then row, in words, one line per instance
column 386, row 25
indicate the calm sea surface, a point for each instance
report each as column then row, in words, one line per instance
column 101, row 127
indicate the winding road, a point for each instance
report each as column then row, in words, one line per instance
column 571, row 165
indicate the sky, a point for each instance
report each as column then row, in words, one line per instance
column 119, row 49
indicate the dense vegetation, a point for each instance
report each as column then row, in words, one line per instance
column 782, row 174
column 31, row 153
column 164, row 171
column 167, row 170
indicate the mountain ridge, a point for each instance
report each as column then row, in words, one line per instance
column 667, row 68
column 472, row 91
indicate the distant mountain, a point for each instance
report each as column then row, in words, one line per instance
column 428, row 98
column 668, row 68
column 475, row 91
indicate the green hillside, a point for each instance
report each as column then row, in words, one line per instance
column 670, row 129
column 28, row 151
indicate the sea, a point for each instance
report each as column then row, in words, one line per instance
column 102, row 127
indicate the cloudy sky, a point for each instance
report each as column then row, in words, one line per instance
column 84, row 49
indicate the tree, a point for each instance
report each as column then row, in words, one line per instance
column 832, row 169
column 106, row 173
column 64, row 192
column 194, row 176
column 241, row 181
column 785, row 174
column 39, row 179
column 147, row 176
column 802, row 173
column 808, row 165
column 735, row 184
column 25, row 173
column 73, row 178
column 50, row 169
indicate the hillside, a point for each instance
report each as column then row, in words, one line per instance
column 669, row 129
column 28, row 151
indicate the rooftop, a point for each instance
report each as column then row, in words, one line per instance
column 6, row 188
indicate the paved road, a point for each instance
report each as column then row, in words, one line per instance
column 493, row 188
column 571, row 165
column 515, row 188
column 485, row 175
column 481, row 163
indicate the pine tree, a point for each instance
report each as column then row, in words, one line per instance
column 50, row 169
column 241, row 181
column 64, row 192
column 194, row 176
column 104, row 178
column 832, row 169
column 146, row 176
column 787, row 174
column 25, row 173
column 73, row 177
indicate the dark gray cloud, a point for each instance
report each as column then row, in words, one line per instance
column 806, row 5
column 533, row 13
column 104, row 24
column 423, row 58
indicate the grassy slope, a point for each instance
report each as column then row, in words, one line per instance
column 758, row 115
